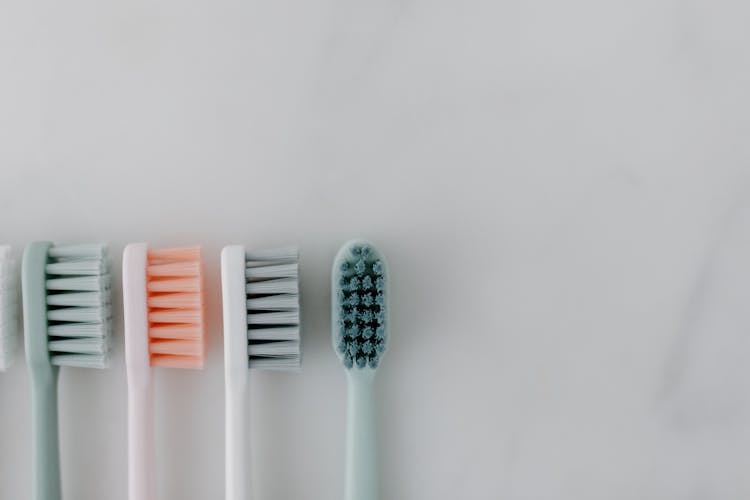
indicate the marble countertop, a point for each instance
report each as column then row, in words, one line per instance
column 562, row 189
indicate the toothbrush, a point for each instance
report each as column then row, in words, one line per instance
column 359, row 319
column 67, row 316
column 8, row 308
column 260, row 295
column 164, row 326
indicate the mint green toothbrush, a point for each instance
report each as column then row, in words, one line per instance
column 66, row 311
column 359, row 322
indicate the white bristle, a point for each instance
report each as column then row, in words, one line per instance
column 275, row 349
column 76, row 267
column 80, row 283
column 89, row 251
column 271, row 302
column 8, row 308
column 273, row 255
column 273, row 318
column 275, row 271
column 79, row 306
column 272, row 289
column 79, row 330
column 278, row 333
column 79, row 345
column 81, row 360
column 78, row 299
column 79, row 314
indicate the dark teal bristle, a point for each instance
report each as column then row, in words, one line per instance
column 380, row 346
column 360, row 266
column 367, row 283
column 366, row 315
column 353, row 348
column 361, row 307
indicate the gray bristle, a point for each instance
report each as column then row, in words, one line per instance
column 272, row 290
column 79, row 306
column 8, row 308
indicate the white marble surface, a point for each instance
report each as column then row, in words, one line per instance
column 562, row 189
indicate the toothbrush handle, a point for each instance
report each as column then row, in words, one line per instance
column 46, row 485
column 235, row 446
column 141, row 461
column 361, row 444
column 234, row 306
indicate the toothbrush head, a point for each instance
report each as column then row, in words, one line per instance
column 359, row 302
column 67, row 304
column 175, row 302
column 272, row 301
column 8, row 308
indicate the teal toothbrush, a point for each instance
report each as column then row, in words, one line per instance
column 359, row 319
column 66, row 311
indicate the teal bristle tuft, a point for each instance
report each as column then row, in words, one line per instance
column 360, row 305
column 79, row 312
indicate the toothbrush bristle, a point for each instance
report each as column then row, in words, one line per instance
column 272, row 293
column 8, row 308
column 360, row 330
column 176, row 329
column 79, row 317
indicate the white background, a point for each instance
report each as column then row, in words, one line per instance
column 561, row 189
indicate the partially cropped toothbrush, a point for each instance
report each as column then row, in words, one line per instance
column 359, row 318
column 260, row 295
column 164, row 326
column 8, row 308
column 67, row 318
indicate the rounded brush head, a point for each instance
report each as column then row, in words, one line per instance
column 359, row 305
column 8, row 308
column 175, row 302
column 78, row 305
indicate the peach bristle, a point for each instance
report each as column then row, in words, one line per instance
column 175, row 298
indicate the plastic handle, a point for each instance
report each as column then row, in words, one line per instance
column 141, row 451
column 44, row 376
column 237, row 479
column 235, row 371
column 46, row 484
column 141, row 482
column 362, row 475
